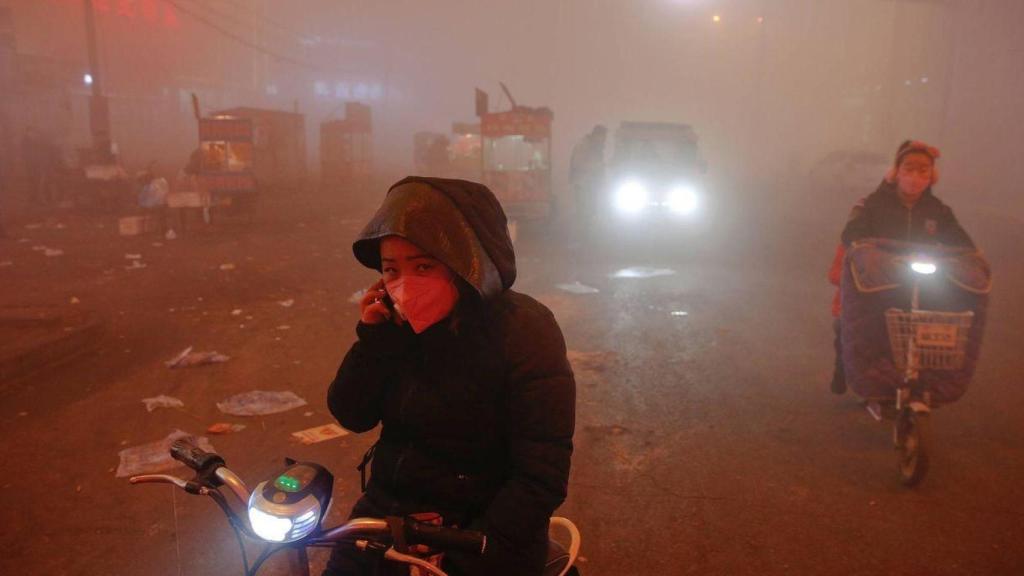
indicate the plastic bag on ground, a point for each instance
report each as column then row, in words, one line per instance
column 162, row 401
column 155, row 457
column 259, row 402
column 189, row 358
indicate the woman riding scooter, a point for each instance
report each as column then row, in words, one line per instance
column 468, row 378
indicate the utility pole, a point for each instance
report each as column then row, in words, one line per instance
column 99, row 111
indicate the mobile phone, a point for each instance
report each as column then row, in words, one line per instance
column 386, row 299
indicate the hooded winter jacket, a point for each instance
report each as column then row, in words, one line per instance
column 883, row 215
column 477, row 411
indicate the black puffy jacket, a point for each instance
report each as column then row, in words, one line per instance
column 883, row 215
column 477, row 412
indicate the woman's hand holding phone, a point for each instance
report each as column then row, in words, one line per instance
column 376, row 306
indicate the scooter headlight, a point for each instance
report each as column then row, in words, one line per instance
column 269, row 527
column 631, row 197
column 682, row 200
column 922, row 267
column 290, row 507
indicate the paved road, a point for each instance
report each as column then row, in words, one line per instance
column 707, row 441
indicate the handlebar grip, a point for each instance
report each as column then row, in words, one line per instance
column 194, row 457
column 444, row 538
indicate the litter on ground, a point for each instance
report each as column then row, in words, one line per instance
column 320, row 433
column 225, row 428
column 259, row 402
column 189, row 358
column 162, row 401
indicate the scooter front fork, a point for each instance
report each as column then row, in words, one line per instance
column 910, row 401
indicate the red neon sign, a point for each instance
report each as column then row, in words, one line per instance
column 152, row 11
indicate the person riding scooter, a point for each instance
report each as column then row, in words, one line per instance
column 903, row 207
column 469, row 378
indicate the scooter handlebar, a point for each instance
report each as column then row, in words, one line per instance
column 194, row 457
column 444, row 538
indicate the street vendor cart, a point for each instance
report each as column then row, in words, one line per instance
column 346, row 151
column 516, row 160
column 225, row 176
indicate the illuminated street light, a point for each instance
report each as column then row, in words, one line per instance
column 87, row 79
column 716, row 18
column 760, row 19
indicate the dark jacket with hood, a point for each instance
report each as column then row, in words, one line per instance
column 477, row 411
column 883, row 215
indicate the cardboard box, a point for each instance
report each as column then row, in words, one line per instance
column 185, row 200
column 134, row 225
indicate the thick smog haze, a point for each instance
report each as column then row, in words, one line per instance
column 771, row 87
column 700, row 286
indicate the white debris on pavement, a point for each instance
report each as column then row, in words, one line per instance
column 259, row 402
column 189, row 358
column 680, row 313
column 228, row 266
column 236, row 312
column 133, row 256
column 284, row 327
column 320, row 433
column 53, row 252
column 577, row 288
column 162, row 401
column 286, row 303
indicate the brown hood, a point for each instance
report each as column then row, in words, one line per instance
column 458, row 222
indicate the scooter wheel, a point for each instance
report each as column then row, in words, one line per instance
column 913, row 442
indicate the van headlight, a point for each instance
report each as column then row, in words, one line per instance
column 924, row 267
column 631, row 197
column 682, row 200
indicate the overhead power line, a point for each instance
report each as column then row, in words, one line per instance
column 245, row 41
column 264, row 21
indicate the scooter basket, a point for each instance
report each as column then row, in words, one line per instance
column 940, row 338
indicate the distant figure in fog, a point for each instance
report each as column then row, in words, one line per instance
column 901, row 208
column 586, row 174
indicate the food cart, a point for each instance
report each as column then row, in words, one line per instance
column 278, row 158
column 516, row 160
column 346, row 150
column 226, row 176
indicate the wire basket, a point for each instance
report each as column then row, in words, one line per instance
column 940, row 338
